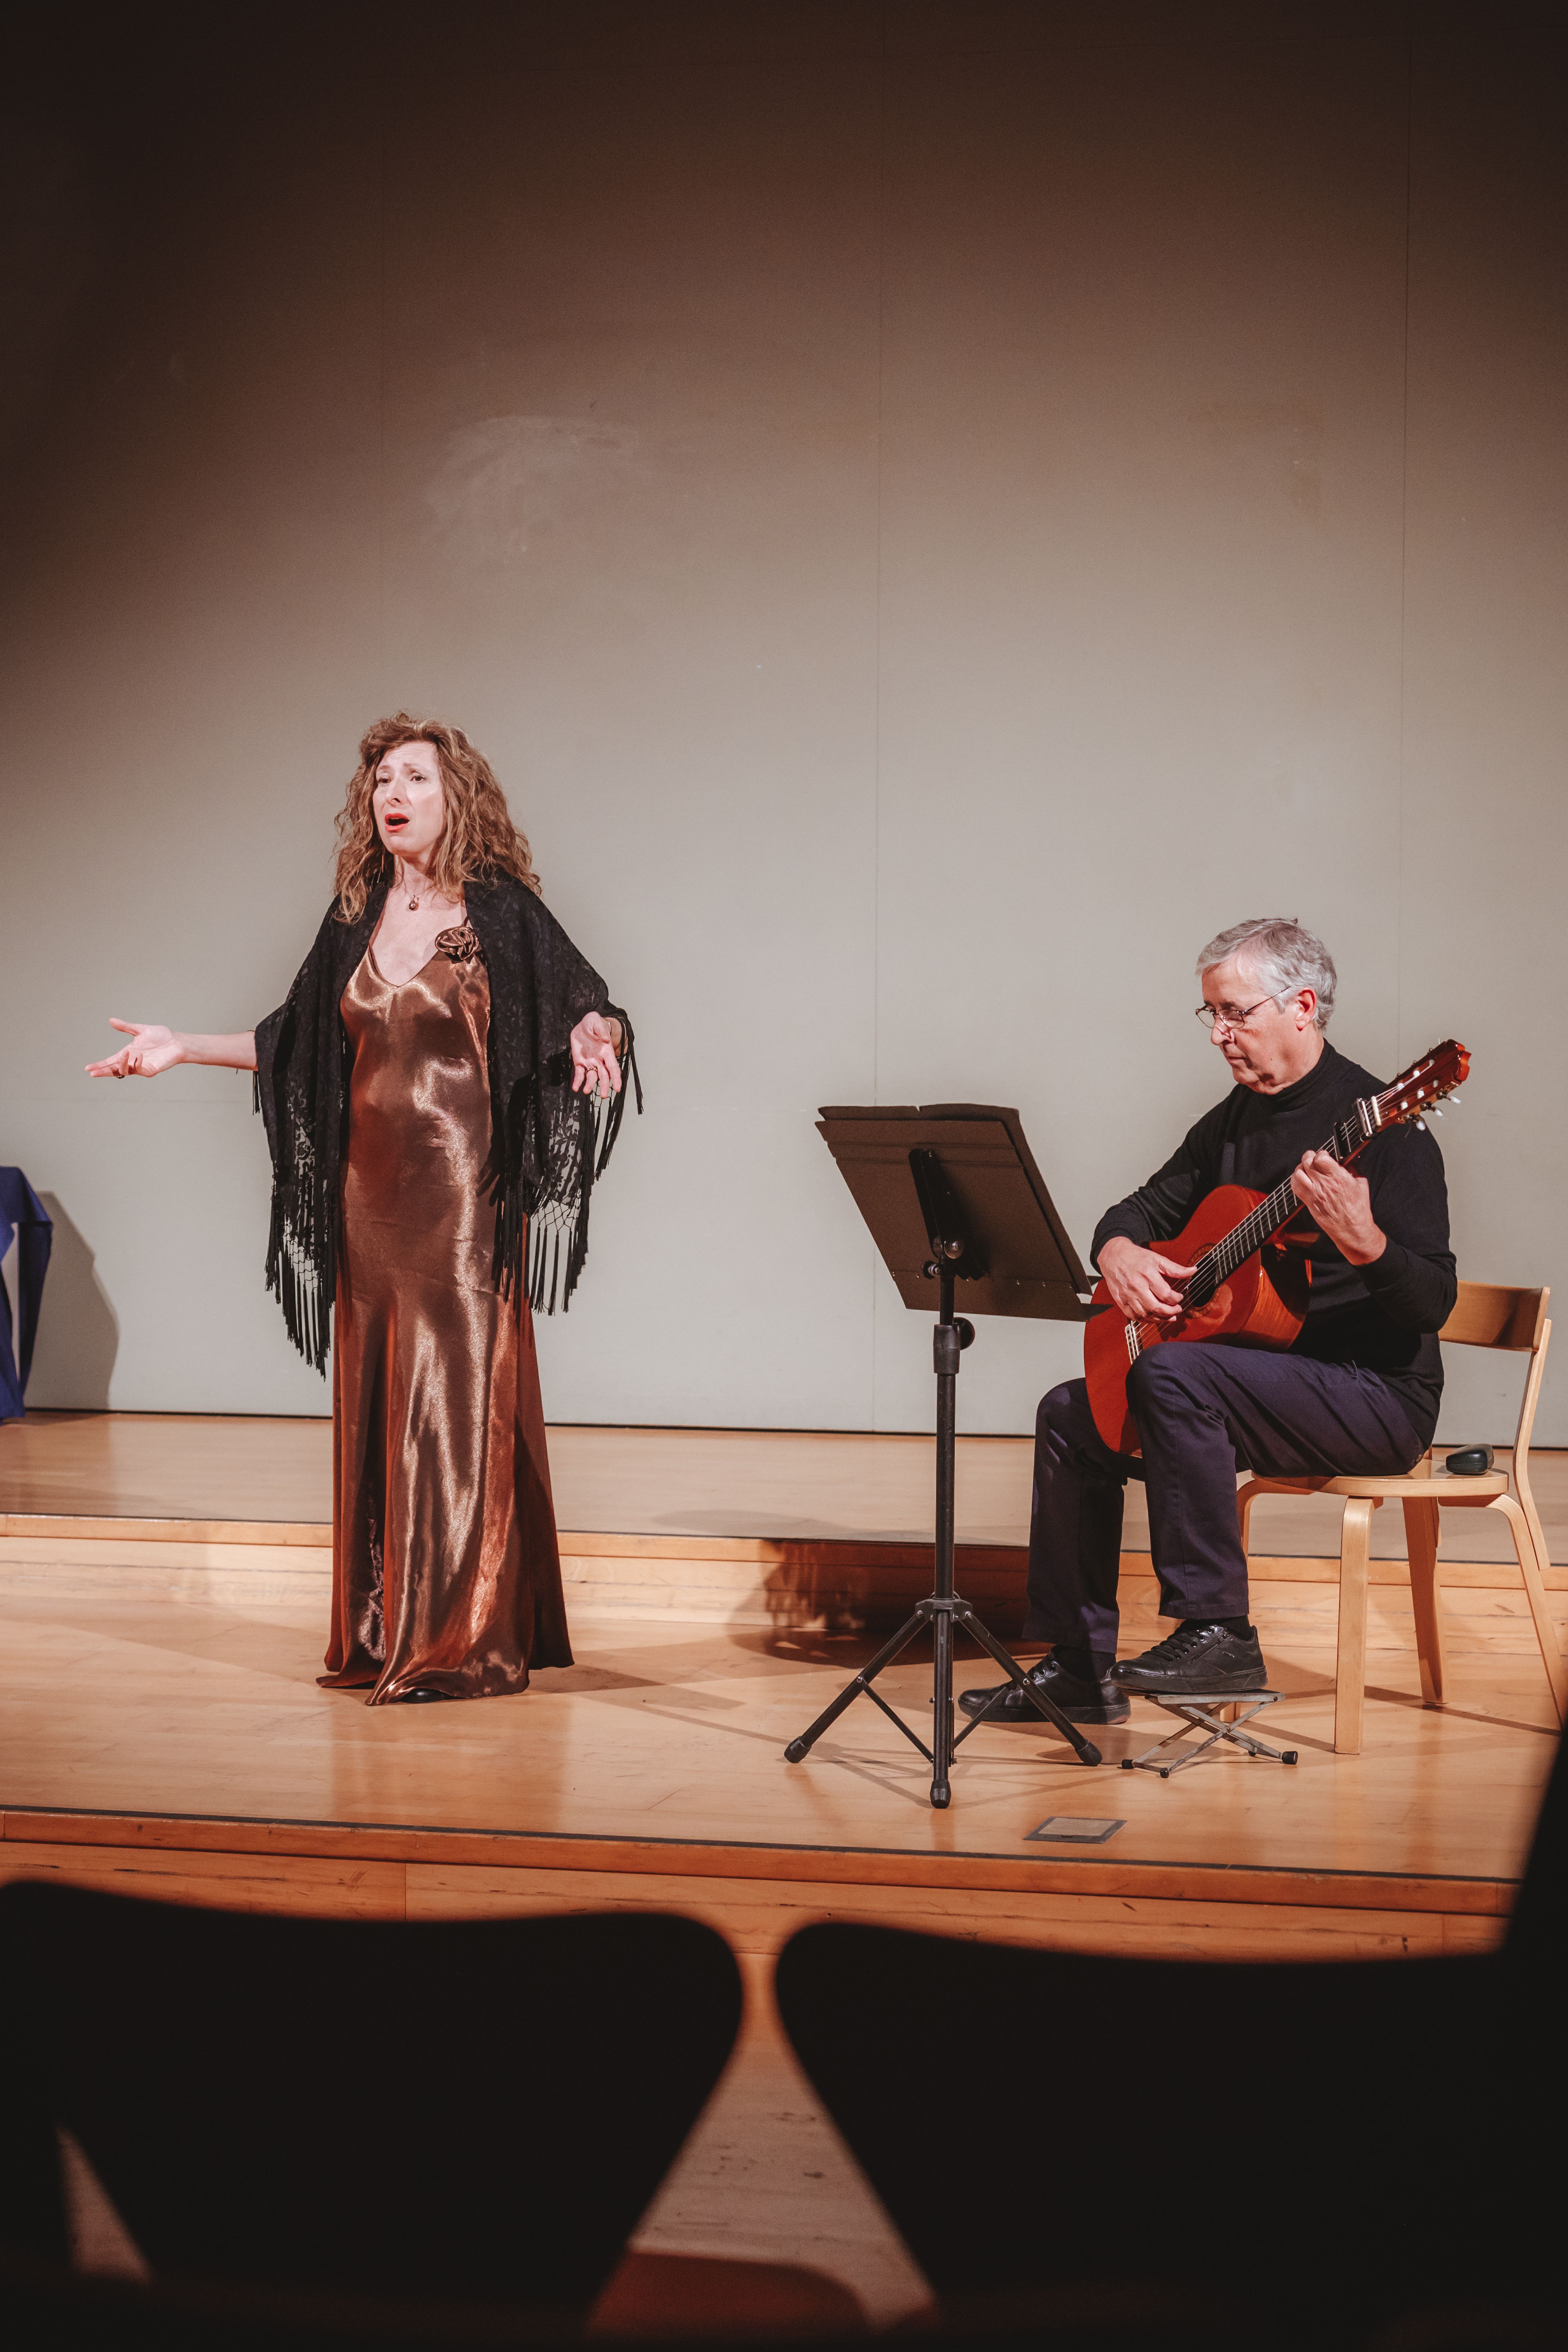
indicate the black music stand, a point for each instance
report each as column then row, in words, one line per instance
column 951, row 1196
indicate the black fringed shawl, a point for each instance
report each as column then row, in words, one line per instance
column 548, row 1144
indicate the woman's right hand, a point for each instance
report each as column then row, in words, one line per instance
column 153, row 1048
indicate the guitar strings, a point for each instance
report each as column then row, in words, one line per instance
column 1222, row 1257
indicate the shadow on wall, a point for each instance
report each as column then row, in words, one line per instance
column 78, row 1330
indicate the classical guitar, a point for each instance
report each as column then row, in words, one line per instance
column 1248, row 1288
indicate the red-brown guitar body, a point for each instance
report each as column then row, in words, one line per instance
column 1262, row 1304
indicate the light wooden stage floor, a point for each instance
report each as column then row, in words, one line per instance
column 163, row 1733
column 163, row 1727
column 161, row 1695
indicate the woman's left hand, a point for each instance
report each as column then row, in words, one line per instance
column 596, row 1069
column 1341, row 1205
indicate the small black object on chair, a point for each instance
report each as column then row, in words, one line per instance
column 1469, row 1461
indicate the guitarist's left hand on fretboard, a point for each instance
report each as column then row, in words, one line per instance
column 1341, row 1201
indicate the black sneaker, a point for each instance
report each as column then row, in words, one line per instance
column 1079, row 1701
column 1196, row 1658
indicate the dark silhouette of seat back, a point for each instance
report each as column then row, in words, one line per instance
column 1537, row 1931
column 471, row 2111
column 1376, row 2136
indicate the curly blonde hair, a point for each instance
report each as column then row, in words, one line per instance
column 479, row 838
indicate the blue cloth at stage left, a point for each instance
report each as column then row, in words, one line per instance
column 22, row 1213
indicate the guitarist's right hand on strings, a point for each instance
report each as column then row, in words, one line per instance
column 1146, row 1286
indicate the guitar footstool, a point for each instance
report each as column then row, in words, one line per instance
column 1197, row 1709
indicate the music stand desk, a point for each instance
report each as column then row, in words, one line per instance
column 959, row 1214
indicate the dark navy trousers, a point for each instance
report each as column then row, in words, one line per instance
column 1204, row 1413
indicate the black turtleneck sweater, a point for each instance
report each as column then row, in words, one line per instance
column 1382, row 1317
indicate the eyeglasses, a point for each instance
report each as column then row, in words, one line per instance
column 1229, row 1017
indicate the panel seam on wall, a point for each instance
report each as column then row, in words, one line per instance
column 1404, row 559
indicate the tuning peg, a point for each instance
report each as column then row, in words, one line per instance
column 1423, row 1126
column 1435, row 1112
column 1453, row 1098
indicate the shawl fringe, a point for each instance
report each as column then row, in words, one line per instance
column 301, row 1287
column 559, row 1211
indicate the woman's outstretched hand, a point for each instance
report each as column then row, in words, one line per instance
column 153, row 1048
column 596, row 1069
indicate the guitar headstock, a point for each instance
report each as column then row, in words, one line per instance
column 1424, row 1084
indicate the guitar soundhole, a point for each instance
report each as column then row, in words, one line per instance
column 1212, row 1315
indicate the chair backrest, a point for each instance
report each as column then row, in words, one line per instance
column 1490, row 1314
column 470, row 2110
column 1058, row 2119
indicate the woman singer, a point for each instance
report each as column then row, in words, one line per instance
column 440, row 1088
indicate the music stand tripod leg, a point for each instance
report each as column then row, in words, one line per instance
column 798, row 1749
column 952, row 1336
column 1088, row 1753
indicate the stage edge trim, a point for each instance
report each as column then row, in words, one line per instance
column 1245, row 1883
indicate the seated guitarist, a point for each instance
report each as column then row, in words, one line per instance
column 1356, row 1394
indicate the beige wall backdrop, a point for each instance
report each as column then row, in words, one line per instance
column 931, row 509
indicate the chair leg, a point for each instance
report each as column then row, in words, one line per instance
column 1244, row 1515
column 1535, row 1593
column 1349, row 1680
column 1421, row 1531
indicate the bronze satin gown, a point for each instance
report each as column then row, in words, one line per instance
column 446, row 1575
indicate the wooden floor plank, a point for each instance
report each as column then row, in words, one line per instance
column 296, row 1884
column 775, row 1485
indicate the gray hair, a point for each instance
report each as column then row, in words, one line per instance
column 1284, row 956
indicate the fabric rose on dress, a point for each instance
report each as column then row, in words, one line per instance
column 459, row 943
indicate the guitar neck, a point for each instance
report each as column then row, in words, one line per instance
column 1261, row 1224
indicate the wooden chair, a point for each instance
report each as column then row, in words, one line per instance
column 1486, row 1315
